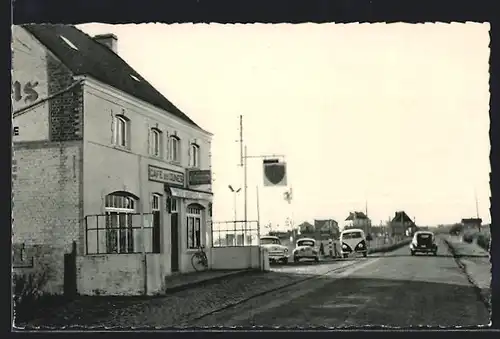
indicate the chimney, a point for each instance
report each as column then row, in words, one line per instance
column 109, row 40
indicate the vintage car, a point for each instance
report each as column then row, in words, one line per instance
column 277, row 252
column 305, row 249
column 423, row 242
column 353, row 241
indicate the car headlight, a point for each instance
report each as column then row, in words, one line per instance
column 344, row 246
column 286, row 250
column 361, row 245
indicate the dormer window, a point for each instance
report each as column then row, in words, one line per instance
column 174, row 151
column 194, row 155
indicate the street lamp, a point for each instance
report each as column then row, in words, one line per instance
column 235, row 192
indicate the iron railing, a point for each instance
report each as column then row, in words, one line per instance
column 235, row 233
column 121, row 233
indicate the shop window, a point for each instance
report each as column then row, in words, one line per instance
column 194, row 214
column 119, row 210
column 174, row 151
column 155, row 209
column 121, row 131
column 156, row 142
column 194, row 156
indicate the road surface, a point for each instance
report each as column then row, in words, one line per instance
column 394, row 289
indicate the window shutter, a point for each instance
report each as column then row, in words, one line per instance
column 167, row 151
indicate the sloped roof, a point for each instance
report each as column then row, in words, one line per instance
column 401, row 215
column 472, row 221
column 357, row 215
column 101, row 63
column 319, row 224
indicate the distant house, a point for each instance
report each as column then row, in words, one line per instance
column 306, row 227
column 358, row 220
column 402, row 225
column 472, row 224
column 326, row 228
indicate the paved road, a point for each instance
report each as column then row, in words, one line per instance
column 393, row 290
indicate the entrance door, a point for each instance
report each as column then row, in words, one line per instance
column 174, row 233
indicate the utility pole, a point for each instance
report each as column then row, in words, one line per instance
column 244, row 163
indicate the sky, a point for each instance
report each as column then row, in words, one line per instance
column 383, row 117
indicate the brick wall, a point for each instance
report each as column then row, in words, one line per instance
column 65, row 110
column 46, row 204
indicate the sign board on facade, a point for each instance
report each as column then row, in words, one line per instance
column 165, row 175
column 188, row 194
column 200, row 177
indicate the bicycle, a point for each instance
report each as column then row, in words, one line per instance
column 199, row 259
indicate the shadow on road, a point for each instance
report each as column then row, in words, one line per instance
column 377, row 299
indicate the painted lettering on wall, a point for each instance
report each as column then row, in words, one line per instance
column 26, row 92
column 15, row 131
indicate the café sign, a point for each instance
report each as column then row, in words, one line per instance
column 199, row 177
column 165, row 175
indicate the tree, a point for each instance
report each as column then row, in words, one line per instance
column 456, row 229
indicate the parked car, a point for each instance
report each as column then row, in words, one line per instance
column 353, row 241
column 277, row 252
column 423, row 242
column 305, row 249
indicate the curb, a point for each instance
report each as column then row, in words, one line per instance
column 471, row 279
column 268, row 291
column 182, row 287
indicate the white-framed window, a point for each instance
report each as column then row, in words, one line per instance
column 194, row 216
column 155, row 202
column 194, row 155
column 174, row 205
column 119, row 210
column 174, row 151
column 155, row 209
column 121, row 131
column 156, row 140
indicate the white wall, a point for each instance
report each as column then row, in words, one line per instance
column 235, row 257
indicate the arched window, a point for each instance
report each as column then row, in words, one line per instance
column 121, row 131
column 194, row 219
column 156, row 142
column 174, row 151
column 119, row 209
column 194, row 155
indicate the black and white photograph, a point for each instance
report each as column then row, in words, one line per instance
column 275, row 176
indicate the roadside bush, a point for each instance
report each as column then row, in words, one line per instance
column 456, row 229
column 389, row 248
column 468, row 238
column 27, row 291
column 483, row 240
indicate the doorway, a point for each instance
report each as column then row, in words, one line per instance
column 174, row 233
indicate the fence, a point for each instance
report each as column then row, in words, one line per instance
column 117, row 233
column 235, row 233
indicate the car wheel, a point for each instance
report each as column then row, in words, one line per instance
column 316, row 259
column 285, row 261
column 365, row 254
column 295, row 259
column 345, row 256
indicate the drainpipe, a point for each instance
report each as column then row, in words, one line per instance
column 144, row 258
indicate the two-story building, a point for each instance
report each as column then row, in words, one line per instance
column 105, row 168
column 402, row 225
column 358, row 220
